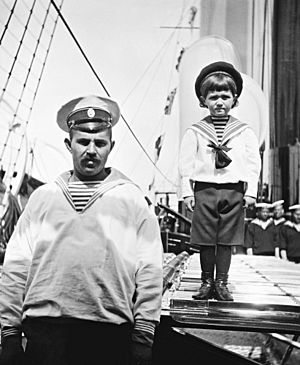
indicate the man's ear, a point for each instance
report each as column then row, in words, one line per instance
column 112, row 145
column 68, row 144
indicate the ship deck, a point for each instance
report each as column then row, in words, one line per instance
column 266, row 295
column 265, row 313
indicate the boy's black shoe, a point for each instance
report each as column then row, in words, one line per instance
column 222, row 293
column 206, row 290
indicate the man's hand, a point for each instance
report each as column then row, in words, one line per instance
column 141, row 354
column 189, row 201
column 248, row 201
column 12, row 351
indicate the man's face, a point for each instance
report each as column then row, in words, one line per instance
column 219, row 103
column 296, row 216
column 90, row 152
column 278, row 212
column 263, row 214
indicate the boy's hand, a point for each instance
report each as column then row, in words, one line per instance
column 249, row 200
column 189, row 201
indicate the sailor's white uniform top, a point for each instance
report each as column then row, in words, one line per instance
column 85, row 264
column 197, row 157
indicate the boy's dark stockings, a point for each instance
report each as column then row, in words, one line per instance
column 215, row 256
column 211, row 257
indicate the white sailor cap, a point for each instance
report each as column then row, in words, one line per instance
column 294, row 207
column 277, row 203
column 263, row 205
column 93, row 108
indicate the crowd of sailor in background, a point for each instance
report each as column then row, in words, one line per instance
column 274, row 232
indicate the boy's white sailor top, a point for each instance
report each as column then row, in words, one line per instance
column 89, row 264
column 197, row 159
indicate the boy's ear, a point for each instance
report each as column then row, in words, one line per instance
column 68, row 144
column 202, row 102
column 235, row 101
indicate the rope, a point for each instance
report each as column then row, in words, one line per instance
column 11, row 70
column 170, row 78
column 134, row 87
column 155, row 72
column 41, row 3
column 148, row 67
column 25, row 83
column 8, row 21
column 43, row 65
column 79, row 46
column 13, row 35
column 23, row 91
column 162, row 119
column 22, row 24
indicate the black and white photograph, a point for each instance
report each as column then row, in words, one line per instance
column 149, row 182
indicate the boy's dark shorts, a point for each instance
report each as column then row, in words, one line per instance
column 218, row 216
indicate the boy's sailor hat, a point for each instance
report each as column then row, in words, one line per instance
column 103, row 111
column 216, row 68
column 263, row 205
column 294, row 207
column 277, row 203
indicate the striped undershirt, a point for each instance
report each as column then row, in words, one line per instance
column 81, row 192
column 220, row 124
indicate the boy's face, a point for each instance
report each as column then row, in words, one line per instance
column 278, row 212
column 263, row 214
column 296, row 216
column 219, row 103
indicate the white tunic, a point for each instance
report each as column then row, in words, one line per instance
column 197, row 160
column 88, row 265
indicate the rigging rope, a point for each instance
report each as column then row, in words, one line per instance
column 10, row 72
column 25, row 84
column 169, row 82
column 41, row 3
column 8, row 21
column 44, row 62
column 155, row 72
column 148, row 67
column 105, row 89
column 22, row 24
column 3, row 48
column 183, row 13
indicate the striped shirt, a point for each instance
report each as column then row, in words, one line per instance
column 81, row 192
column 220, row 124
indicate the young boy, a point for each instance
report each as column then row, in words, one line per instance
column 290, row 236
column 219, row 164
column 278, row 218
column 261, row 234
